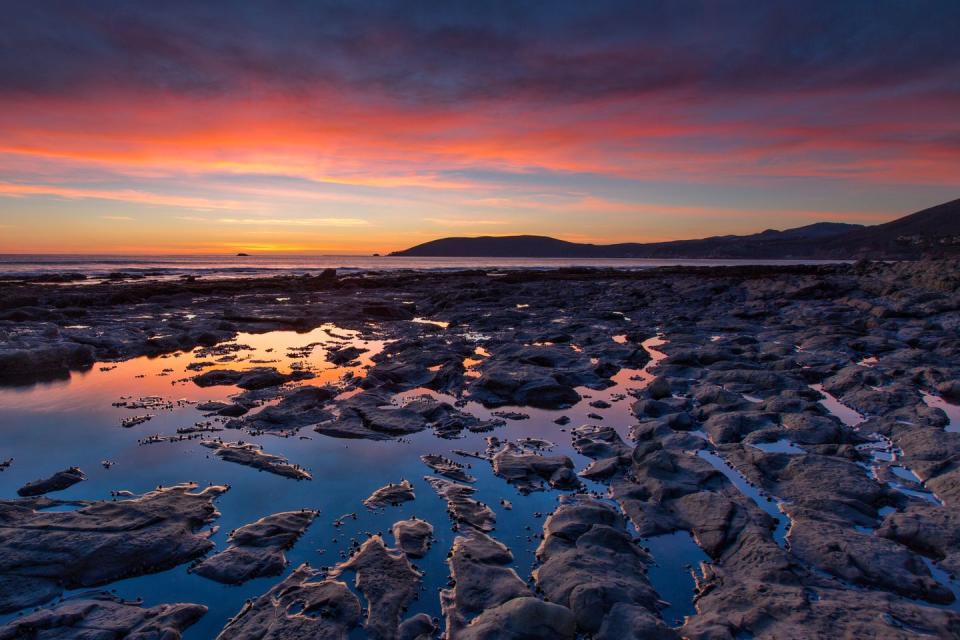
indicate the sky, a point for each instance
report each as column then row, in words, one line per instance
column 362, row 126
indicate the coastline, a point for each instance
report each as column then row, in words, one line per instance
column 748, row 421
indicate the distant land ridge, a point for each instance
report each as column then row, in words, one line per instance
column 931, row 232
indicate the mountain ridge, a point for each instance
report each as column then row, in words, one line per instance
column 933, row 231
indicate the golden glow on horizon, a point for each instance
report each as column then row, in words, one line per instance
column 338, row 173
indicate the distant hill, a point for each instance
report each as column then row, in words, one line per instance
column 934, row 231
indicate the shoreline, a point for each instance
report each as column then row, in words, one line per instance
column 59, row 327
column 796, row 428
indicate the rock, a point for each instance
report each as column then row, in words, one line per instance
column 659, row 388
column 369, row 415
column 418, row 627
column 413, row 536
column 250, row 379
column 44, row 552
column 300, row 408
column 447, row 468
column 99, row 614
column 529, row 470
column 57, row 482
column 862, row 558
column 388, row 582
column 927, row 529
column 305, row 606
column 522, row 385
column 950, row 390
column 345, row 355
column 390, row 495
column 251, row 455
column 590, row 563
column 257, row 549
column 462, row 508
column 481, row 579
column 522, row 619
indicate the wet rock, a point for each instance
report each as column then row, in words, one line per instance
column 522, row 619
column 447, row 468
column 927, row 529
column 257, row 549
column 600, row 442
column 862, row 558
column 590, row 564
column 481, row 579
column 413, row 536
column 418, row 627
column 250, row 379
column 950, row 390
column 461, row 506
column 388, row 582
column 390, row 495
column 227, row 409
column 370, row 415
column 522, row 385
column 44, row 552
column 300, row 408
column 345, row 355
column 305, row 606
column 251, row 455
column 99, row 614
column 45, row 361
column 57, row 482
column 528, row 471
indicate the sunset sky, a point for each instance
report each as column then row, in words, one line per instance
column 371, row 126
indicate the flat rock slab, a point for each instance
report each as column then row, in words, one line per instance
column 488, row 599
column 99, row 614
column 256, row 549
column 591, row 564
column 529, row 471
column 304, row 606
column 57, row 482
column 299, row 408
column 390, row 495
column 370, row 415
column 250, row 379
column 447, row 467
column 388, row 582
column 461, row 506
column 251, row 455
column 413, row 536
column 44, row 552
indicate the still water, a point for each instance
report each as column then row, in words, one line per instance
column 51, row 426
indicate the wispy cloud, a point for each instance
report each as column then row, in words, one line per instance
column 457, row 222
column 284, row 222
column 117, row 218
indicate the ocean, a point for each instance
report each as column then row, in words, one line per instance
column 231, row 266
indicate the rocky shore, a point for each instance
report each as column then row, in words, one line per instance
column 793, row 420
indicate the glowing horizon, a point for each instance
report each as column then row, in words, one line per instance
column 340, row 129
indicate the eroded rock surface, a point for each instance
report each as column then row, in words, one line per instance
column 529, row 471
column 461, row 506
column 57, row 482
column 100, row 614
column 44, row 552
column 388, row 582
column 304, row 606
column 257, row 549
column 413, row 536
column 252, row 455
column 390, row 495
column 591, row 565
column 250, row 379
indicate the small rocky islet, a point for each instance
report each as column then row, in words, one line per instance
column 798, row 422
